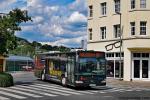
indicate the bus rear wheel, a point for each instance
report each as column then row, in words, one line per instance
column 63, row 81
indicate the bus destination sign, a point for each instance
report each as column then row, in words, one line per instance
column 91, row 54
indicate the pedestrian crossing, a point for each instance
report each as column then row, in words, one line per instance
column 123, row 89
column 40, row 90
column 27, row 91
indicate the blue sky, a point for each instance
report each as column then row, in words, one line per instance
column 57, row 22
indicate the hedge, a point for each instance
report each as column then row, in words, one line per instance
column 6, row 79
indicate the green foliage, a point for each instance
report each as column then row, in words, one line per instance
column 6, row 80
column 9, row 24
column 55, row 48
column 25, row 48
column 38, row 73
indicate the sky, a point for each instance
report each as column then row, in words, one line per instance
column 58, row 22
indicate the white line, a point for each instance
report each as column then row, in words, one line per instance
column 116, row 90
column 94, row 91
column 4, row 98
column 53, row 89
column 138, row 90
column 129, row 90
column 70, row 90
column 109, row 90
column 38, row 92
column 20, row 92
column 12, row 95
column 107, row 96
column 63, row 89
column 48, row 86
column 102, row 92
column 45, row 90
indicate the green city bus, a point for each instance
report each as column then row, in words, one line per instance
column 78, row 68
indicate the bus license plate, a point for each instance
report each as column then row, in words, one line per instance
column 92, row 84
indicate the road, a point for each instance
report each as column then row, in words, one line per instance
column 33, row 89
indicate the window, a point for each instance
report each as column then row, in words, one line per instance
column 110, row 54
column 103, row 8
column 143, row 3
column 117, row 31
column 103, row 32
column 137, row 55
column 117, row 6
column 132, row 28
column 90, row 11
column 132, row 4
column 143, row 55
column 90, row 33
column 142, row 28
column 118, row 54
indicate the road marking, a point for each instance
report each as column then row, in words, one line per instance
column 109, row 90
column 112, row 90
column 107, row 96
column 4, row 98
column 45, row 90
column 12, row 95
column 53, row 89
column 129, row 90
column 102, row 92
column 20, row 92
column 38, row 92
column 48, row 86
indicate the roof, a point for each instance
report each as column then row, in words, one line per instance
column 18, row 58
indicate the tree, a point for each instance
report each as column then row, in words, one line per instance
column 9, row 24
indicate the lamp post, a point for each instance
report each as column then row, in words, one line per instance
column 110, row 46
column 120, row 39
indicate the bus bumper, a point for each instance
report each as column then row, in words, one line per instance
column 84, row 84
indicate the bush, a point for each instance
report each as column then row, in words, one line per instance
column 38, row 73
column 6, row 80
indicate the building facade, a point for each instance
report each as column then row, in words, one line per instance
column 128, row 21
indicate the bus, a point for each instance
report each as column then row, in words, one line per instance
column 77, row 69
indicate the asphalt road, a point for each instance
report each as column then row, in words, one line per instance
column 32, row 89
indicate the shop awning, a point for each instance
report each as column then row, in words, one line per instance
column 18, row 58
column 139, row 49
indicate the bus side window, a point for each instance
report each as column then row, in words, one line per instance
column 63, row 66
column 56, row 65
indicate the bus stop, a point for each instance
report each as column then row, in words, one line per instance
column 19, row 63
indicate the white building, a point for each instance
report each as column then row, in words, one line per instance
column 104, row 20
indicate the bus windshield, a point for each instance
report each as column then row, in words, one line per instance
column 92, row 66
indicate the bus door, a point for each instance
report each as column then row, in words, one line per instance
column 70, row 70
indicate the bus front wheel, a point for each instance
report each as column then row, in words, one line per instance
column 43, row 77
column 63, row 81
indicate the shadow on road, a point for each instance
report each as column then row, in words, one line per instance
column 79, row 88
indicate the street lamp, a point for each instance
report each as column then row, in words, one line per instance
column 120, row 68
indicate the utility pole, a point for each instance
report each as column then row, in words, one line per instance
column 120, row 39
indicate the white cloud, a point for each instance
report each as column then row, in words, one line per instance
column 38, row 19
column 27, row 28
column 6, row 3
column 78, row 5
column 33, row 3
column 64, row 24
column 67, row 42
column 77, row 17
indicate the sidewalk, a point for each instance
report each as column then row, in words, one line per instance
column 121, row 83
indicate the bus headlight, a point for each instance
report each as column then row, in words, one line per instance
column 78, row 82
column 104, row 81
